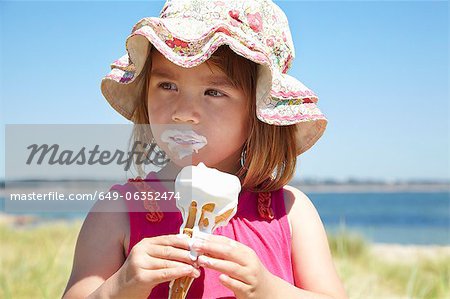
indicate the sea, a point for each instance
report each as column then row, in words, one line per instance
column 416, row 218
column 397, row 217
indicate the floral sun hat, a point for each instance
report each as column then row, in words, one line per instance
column 187, row 33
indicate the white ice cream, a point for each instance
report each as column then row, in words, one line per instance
column 183, row 143
column 206, row 185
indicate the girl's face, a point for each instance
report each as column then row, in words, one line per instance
column 203, row 101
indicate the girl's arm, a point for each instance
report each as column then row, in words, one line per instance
column 100, row 269
column 312, row 263
column 99, row 252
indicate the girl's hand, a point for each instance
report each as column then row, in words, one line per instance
column 242, row 270
column 153, row 261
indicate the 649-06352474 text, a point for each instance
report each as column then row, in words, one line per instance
column 111, row 195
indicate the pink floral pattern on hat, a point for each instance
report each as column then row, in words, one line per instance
column 255, row 21
column 187, row 32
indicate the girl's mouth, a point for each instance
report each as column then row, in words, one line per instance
column 184, row 140
column 184, row 143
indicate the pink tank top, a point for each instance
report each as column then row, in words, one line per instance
column 270, row 239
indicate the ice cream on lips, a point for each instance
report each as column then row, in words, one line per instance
column 183, row 142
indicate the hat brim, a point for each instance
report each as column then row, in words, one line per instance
column 281, row 99
column 292, row 103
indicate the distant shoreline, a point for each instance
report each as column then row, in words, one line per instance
column 371, row 188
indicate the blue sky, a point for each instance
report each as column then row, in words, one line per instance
column 380, row 69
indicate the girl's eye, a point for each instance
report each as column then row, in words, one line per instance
column 212, row 92
column 216, row 93
column 162, row 85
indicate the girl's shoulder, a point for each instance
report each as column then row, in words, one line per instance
column 293, row 199
column 100, row 247
column 111, row 217
column 297, row 205
column 293, row 196
column 311, row 255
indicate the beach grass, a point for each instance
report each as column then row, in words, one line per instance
column 36, row 262
column 410, row 273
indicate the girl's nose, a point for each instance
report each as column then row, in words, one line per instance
column 186, row 111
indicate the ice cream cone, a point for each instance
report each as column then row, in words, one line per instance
column 208, row 199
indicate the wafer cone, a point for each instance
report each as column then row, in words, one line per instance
column 180, row 286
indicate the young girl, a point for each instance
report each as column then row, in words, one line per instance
column 220, row 68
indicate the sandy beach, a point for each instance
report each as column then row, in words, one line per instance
column 400, row 253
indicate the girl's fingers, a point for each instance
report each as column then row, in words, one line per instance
column 233, row 284
column 178, row 241
column 230, row 268
column 168, row 274
column 169, row 253
column 157, row 263
column 222, row 248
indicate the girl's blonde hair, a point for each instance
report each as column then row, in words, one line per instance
column 270, row 156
